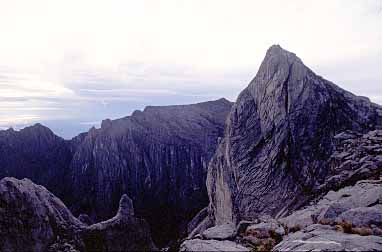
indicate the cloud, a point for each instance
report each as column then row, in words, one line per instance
column 19, row 119
column 87, row 60
column 94, row 123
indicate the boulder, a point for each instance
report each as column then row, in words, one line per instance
column 362, row 216
column 330, row 213
column 221, row 232
column 271, row 225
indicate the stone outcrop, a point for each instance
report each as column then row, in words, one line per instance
column 33, row 219
column 279, row 138
column 345, row 220
column 124, row 232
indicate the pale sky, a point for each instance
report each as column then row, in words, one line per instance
column 71, row 63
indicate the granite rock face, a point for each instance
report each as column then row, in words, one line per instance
column 279, row 138
column 159, row 157
column 33, row 219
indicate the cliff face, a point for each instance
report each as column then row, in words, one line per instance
column 279, row 138
column 159, row 157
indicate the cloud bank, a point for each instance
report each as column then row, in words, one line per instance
column 70, row 64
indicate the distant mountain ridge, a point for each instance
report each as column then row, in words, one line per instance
column 37, row 153
column 158, row 156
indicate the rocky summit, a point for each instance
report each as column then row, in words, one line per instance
column 279, row 138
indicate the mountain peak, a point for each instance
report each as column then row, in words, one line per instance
column 279, row 136
column 279, row 81
column 276, row 54
column 38, row 129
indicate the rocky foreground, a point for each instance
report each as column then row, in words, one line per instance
column 33, row 219
column 347, row 220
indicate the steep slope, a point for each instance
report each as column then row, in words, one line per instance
column 31, row 217
column 35, row 152
column 279, row 138
column 159, row 157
